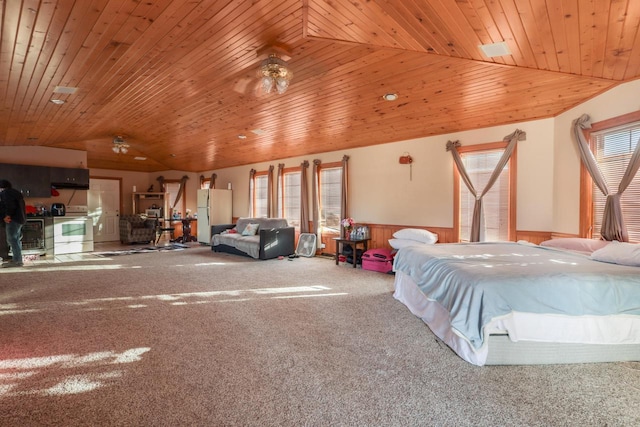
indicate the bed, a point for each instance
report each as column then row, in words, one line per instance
column 519, row 303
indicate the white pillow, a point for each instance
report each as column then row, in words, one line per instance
column 403, row 243
column 250, row 230
column 417, row 234
column 576, row 244
column 619, row 253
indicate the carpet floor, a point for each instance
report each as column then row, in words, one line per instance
column 195, row 338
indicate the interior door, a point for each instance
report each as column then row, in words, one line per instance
column 104, row 208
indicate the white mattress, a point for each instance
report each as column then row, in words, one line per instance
column 561, row 338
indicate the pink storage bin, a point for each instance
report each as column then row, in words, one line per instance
column 379, row 259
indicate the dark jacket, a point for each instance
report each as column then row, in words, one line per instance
column 13, row 205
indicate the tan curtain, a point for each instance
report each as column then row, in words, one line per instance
column 613, row 226
column 160, row 179
column 477, row 224
column 344, row 194
column 252, row 174
column 212, row 181
column 304, row 198
column 270, row 204
column 315, row 194
column 279, row 189
column 183, row 183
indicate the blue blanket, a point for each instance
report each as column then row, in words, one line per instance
column 478, row 282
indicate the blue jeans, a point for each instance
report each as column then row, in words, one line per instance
column 4, row 246
column 14, row 232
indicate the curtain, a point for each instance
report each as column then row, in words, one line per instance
column 160, row 179
column 270, row 208
column 315, row 195
column 304, row 198
column 252, row 174
column 613, row 226
column 201, row 181
column 477, row 224
column 279, row 203
column 344, row 195
column 183, row 183
column 212, row 181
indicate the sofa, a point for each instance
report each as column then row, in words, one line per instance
column 137, row 229
column 259, row 238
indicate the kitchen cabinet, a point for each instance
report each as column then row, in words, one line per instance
column 69, row 177
column 31, row 181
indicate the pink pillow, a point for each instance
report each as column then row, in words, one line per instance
column 576, row 244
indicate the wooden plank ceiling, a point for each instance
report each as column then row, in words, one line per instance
column 177, row 78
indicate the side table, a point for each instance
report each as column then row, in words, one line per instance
column 355, row 243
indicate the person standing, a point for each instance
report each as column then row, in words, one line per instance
column 14, row 219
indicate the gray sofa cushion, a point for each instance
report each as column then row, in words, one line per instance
column 247, row 244
column 264, row 223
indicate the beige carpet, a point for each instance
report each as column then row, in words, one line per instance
column 194, row 338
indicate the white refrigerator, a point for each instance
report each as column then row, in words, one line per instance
column 214, row 207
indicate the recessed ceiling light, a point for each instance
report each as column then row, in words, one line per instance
column 139, row 158
column 390, row 96
column 58, row 101
column 495, row 49
column 172, row 155
column 65, row 89
column 242, row 136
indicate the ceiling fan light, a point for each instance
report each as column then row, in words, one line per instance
column 120, row 145
column 282, row 84
column 267, row 84
column 274, row 74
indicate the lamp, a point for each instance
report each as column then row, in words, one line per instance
column 274, row 74
column 119, row 145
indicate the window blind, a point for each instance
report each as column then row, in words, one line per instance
column 291, row 198
column 330, row 198
column 260, row 196
column 613, row 150
column 479, row 166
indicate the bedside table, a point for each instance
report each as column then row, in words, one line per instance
column 355, row 243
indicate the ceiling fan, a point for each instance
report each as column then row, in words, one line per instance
column 271, row 75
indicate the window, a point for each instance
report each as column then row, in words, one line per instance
column 330, row 195
column 499, row 202
column 613, row 143
column 289, row 203
column 260, row 194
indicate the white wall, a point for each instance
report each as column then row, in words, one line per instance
column 43, row 156
column 144, row 180
column 381, row 191
column 620, row 100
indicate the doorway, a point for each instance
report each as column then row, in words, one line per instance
column 104, row 208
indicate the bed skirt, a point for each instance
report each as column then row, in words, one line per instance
column 523, row 338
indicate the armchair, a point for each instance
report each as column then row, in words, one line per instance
column 137, row 229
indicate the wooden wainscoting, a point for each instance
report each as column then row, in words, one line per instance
column 381, row 233
column 536, row 237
